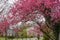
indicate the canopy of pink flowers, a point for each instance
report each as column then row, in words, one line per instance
column 25, row 7
column 24, row 10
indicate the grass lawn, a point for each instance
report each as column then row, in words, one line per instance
column 2, row 38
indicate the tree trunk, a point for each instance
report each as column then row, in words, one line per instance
column 56, row 31
column 59, row 35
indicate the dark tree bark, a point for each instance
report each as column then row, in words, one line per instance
column 56, row 30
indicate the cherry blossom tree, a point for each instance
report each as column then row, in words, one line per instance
column 31, row 10
column 27, row 9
